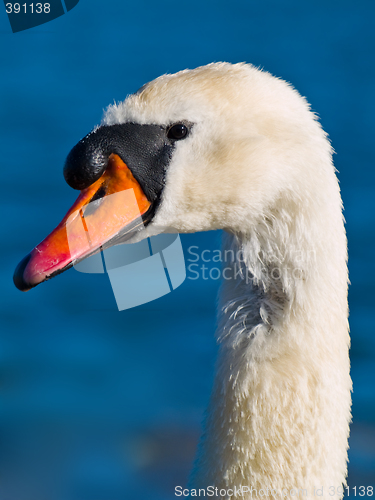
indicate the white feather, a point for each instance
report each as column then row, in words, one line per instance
column 258, row 164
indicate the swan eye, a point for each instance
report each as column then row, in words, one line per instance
column 177, row 132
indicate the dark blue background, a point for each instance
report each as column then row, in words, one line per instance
column 101, row 405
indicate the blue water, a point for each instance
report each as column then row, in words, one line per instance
column 101, row 405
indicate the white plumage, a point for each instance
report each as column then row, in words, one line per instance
column 258, row 165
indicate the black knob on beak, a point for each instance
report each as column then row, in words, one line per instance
column 145, row 149
column 88, row 160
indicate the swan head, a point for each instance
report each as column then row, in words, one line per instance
column 209, row 148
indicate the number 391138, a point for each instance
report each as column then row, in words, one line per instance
column 28, row 8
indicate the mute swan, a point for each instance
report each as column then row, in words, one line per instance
column 232, row 147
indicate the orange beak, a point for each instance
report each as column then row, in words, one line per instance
column 104, row 212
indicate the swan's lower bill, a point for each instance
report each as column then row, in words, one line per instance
column 111, row 206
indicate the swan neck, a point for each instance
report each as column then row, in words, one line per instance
column 279, row 412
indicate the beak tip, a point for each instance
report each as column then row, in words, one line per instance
column 18, row 276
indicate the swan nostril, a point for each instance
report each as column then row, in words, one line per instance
column 95, row 201
column 101, row 192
